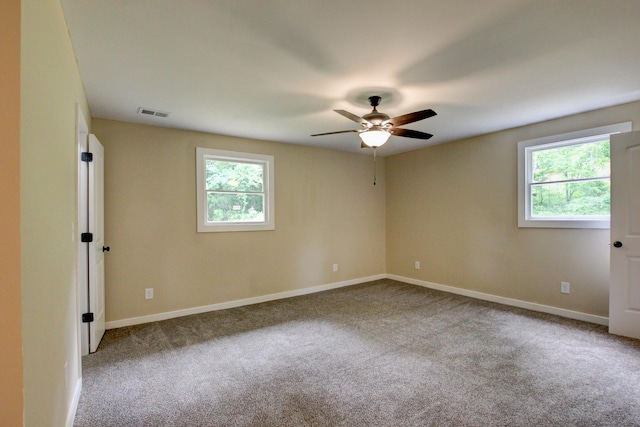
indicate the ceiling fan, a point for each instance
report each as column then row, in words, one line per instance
column 377, row 127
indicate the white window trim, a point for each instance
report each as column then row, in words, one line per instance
column 524, row 171
column 269, row 223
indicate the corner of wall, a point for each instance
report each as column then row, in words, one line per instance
column 11, row 368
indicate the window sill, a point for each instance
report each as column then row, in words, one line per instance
column 577, row 223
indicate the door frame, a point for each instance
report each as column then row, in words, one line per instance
column 82, row 261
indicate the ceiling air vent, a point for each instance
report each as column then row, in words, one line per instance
column 150, row 112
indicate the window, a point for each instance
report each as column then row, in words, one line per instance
column 235, row 191
column 564, row 180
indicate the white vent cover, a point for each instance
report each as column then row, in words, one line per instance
column 150, row 112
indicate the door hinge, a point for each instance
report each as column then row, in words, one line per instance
column 87, row 317
column 86, row 237
column 86, row 157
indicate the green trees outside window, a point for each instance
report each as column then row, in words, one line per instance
column 571, row 181
column 235, row 191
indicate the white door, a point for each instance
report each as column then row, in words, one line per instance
column 624, row 291
column 96, row 247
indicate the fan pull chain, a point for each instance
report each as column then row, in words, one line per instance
column 374, row 165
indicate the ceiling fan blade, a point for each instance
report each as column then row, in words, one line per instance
column 408, row 133
column 332, row 133
column 411, row 117
column 353, row 117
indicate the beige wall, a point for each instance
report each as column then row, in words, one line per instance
column 50, row 90
column 453, row 207
column 327, row 211
column 10, row 308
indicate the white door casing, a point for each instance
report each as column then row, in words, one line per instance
column 83, row 225
column 96, row 247
column 624, row 290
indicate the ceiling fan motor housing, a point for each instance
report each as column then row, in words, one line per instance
column 375, row 117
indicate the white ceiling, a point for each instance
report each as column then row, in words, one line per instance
column 275, row 69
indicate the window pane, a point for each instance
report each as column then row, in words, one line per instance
column 583, row 198
column 234, row 176
column 232, row 207
column 572, row 162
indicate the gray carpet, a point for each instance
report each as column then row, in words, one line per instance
column 378, row 354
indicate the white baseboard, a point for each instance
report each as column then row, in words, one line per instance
column 73, row 408
column 237, row 303
column 591, row 318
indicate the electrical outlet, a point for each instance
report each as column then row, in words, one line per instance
column 417, row 265
column 148, row 293
column 335, row 267
column 565, row 287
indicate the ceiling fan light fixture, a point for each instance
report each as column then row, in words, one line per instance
column 374, row 138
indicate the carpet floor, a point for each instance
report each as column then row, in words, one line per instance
column 382, row 353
